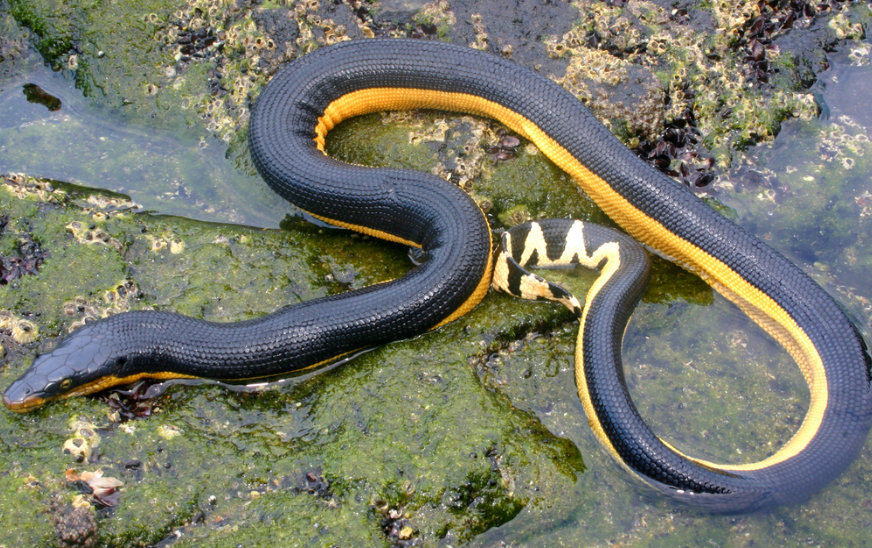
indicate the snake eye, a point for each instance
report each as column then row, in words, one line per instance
column 66, row 383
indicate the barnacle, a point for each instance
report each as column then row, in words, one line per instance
column 24, row 331
column 156, row 244
column 77, row 447
column 515, row 216
column 860, row 54
column 176, row 246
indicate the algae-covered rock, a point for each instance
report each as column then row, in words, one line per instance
column 401, row 396
column 196, row 65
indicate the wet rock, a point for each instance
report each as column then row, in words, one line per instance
column 36, row 94
column 279, row 24
column 399, row 12
column 521, row 24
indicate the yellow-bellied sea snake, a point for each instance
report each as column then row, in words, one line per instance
column 288, row 126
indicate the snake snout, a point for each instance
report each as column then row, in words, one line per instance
column 68, row 370
column 21, row 397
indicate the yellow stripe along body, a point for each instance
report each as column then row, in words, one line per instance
column 667, row 217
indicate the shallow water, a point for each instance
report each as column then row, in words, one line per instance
column 165, row 171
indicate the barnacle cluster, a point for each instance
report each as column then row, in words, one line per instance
column 244, row 47
column 166, row 241
column 316, row 31
column 110, row 204
column 438, row 18
column 90, row 233
column 113, row 301
column 12, row 48
column 14, row 44
column 840, row 146
column 694, row 70
column 844, row 29
column 463, row 164
column 25, row 186
column 591, row 66
column 480, row 32
column 99, row 208
column 730, row 15
column 435, row 131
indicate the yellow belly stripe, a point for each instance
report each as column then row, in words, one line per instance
column 366, row 230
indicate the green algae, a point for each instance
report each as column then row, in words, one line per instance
column 20, row 492
column 86, row 269
column 112, row 65
column 364, row 140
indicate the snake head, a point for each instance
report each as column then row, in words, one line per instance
column 83, row 363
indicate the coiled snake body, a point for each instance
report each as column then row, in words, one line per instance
column 289, row 123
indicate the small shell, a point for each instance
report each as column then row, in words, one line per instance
column 87, row 432
column 80, row 502
column 69, row 309
column 158, row 245
column 24, row 331
column 6, row 319
column 177, row 246
column 168, row 431
column 79, row 448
